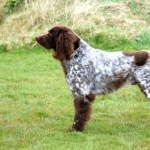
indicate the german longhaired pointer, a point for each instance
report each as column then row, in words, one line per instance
column 90, row 71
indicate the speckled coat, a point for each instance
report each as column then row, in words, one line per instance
column 92, row 71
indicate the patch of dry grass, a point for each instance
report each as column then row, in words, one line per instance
column 123, row 18
column 2, row 10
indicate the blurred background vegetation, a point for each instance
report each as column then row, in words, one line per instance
column 112, row 20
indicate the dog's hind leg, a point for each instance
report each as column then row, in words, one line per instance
column 145, row 88
column 144, row 83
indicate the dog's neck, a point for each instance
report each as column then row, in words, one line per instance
column 76, row 45
column 79, row 49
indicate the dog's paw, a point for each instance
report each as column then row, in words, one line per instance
column 75, row 130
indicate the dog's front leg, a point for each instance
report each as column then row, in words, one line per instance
column 83, row 109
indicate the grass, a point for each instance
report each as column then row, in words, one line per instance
column 37, row 109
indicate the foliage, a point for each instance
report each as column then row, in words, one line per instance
column 110, row 18
column 2, row 2
column 121, row 43
column 3, row 48
column 12, row 5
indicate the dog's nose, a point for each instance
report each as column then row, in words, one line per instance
column 37, row 38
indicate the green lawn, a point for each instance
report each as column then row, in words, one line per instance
column 36, row 109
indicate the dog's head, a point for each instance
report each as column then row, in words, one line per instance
column 61, row 39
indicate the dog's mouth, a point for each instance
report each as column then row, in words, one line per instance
column 43, row 42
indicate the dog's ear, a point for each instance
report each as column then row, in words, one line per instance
column 65, row 44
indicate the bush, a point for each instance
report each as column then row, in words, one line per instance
column 3, row 48
column 12, row 5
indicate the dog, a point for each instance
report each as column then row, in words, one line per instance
column 90, row 72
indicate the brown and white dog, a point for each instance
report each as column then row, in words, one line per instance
column 90, row 72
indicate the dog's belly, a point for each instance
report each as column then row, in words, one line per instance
column 109, row 85
column 99, row 83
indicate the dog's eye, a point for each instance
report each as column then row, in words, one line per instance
column 50, row 35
